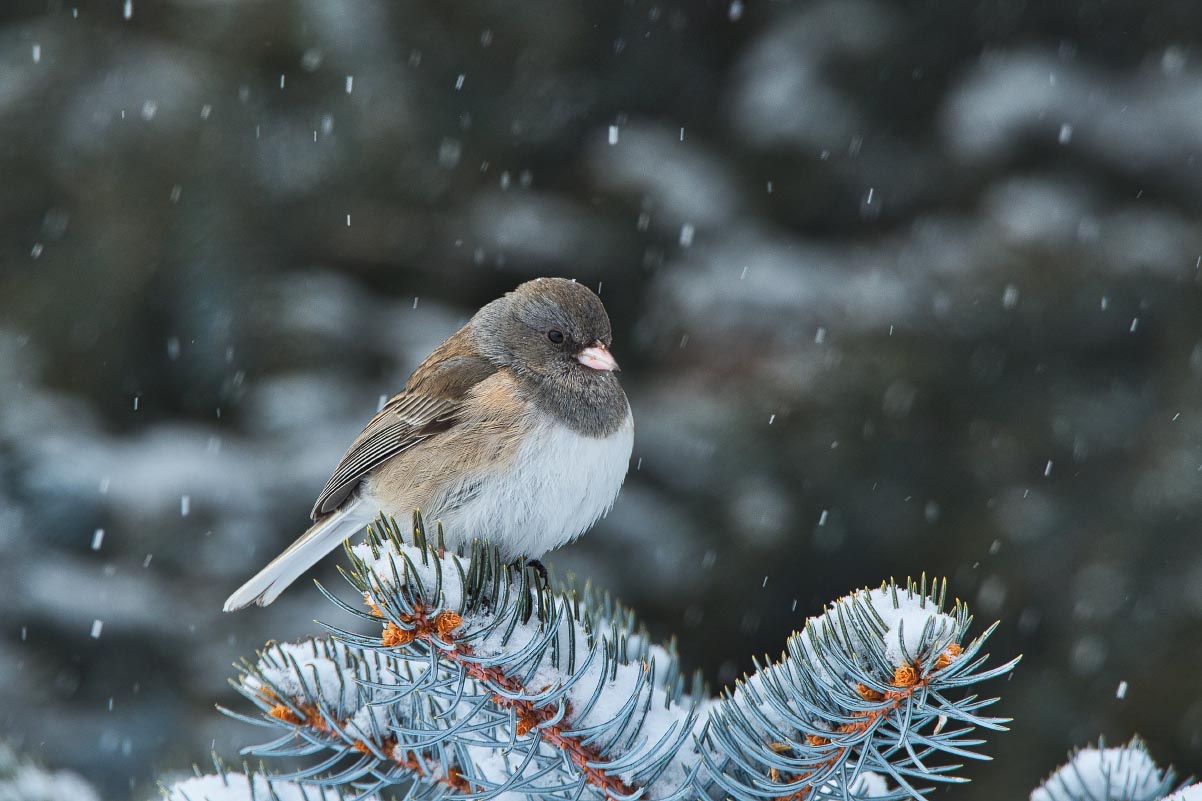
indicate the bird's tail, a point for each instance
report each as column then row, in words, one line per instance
column 321, row 538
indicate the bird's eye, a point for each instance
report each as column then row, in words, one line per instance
column 555, row 336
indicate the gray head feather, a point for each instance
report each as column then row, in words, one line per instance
column 537, row 331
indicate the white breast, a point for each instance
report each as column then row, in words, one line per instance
column 558, row 485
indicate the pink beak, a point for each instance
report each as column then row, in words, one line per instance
column 597, row 357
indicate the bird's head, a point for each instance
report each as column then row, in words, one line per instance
column 548, row 328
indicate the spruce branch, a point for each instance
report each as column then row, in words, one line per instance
column 481, row 680
column 477, row 679
column 867, row 689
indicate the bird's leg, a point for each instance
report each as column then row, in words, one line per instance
column 541, row 571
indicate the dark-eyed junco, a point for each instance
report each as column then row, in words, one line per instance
column 514, row 430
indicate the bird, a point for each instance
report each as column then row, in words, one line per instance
column 514, row 430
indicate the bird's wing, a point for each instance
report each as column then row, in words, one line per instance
column 426, row 408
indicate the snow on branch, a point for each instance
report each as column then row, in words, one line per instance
column 1191, row 793
column 1126, row 773
column 479, row 680
column 234, row 786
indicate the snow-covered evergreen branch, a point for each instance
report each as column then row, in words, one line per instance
column 1126, row 773
column 479, row 680
column 870, row 688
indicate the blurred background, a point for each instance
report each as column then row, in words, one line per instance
column 896, row 287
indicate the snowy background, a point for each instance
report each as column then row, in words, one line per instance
column 896, row 287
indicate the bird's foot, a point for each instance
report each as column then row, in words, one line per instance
column 538, row 567
column 531, row 589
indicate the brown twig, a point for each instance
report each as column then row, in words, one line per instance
column 313, row 719
column 530, row 718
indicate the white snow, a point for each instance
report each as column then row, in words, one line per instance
column 331, row 679
column 390, row 564
column 867, row 784
column 904, row 624
column 528, row 225
column 793, row 59
column 686, row 235
column 1110, row 774
column 330, row 674
column 20, row 779
column 680, row 182
column 240, row 787
column 1191, row 793
column 1116, row 118
column 871, row 784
